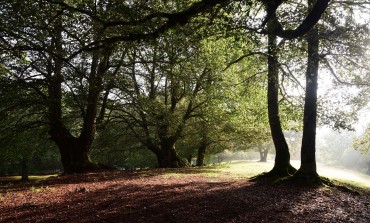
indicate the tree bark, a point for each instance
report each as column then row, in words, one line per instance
column 308, row 149
column 282, row 165
column 168, row 158
column 201, row 154
column 74, row 150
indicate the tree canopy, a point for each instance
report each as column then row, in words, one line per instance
column 174, row 79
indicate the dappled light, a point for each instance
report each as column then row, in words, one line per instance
column 184, row 111
column 221, row 193
column 344, row 175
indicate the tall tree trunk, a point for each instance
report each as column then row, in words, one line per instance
column 308, row 149
column 74, row 150
column 282, row 165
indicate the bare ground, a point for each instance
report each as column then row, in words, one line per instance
column 175, row 196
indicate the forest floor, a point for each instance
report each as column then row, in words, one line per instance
column 210, row 194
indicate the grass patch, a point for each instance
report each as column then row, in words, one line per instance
column 211, row 174
column 359, row 187
column 246, row 169
column 41, row 189
column 236, row 170
column 202, row 172
column 33, row 178
column 35, row 189
column 176, row 175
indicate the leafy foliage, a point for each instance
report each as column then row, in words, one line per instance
column 114, row 80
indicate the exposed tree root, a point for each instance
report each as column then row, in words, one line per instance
column 276, row 173
column 306, row 179
column 302, row 179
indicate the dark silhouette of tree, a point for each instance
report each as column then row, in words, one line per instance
column 282, row 165
column 308, row 149
column 67, row 52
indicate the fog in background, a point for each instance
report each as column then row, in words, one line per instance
column 333, row 149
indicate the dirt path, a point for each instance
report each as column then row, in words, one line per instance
column 175, row 196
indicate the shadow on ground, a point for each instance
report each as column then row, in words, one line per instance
column 151, row 196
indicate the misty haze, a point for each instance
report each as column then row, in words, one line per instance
column 184, row 111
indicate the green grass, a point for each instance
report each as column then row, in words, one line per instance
column 355, row 185
column 175, row 175
column 41, row 189
column 234, row 170
column 32, row 178
column 248, row 169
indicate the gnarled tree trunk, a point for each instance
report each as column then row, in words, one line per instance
column 168, row 158
column 74, row 150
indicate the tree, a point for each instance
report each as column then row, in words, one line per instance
column 153, row 20
column 282, row 166
column 116, row 146
column 162, row 91
column 308, row 158
column 45, row 62
column 307, row 171
column 67, row 52
column 362, row 144
column 71, row 63
column 263, row 150
column 22, row 143
column 198, row 135
column 344, row 55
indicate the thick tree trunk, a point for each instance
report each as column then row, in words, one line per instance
column 201, row 154
column 74, row 152
column 168, row 158
column 166, row 154
column 282, row 165
column 308, row 149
